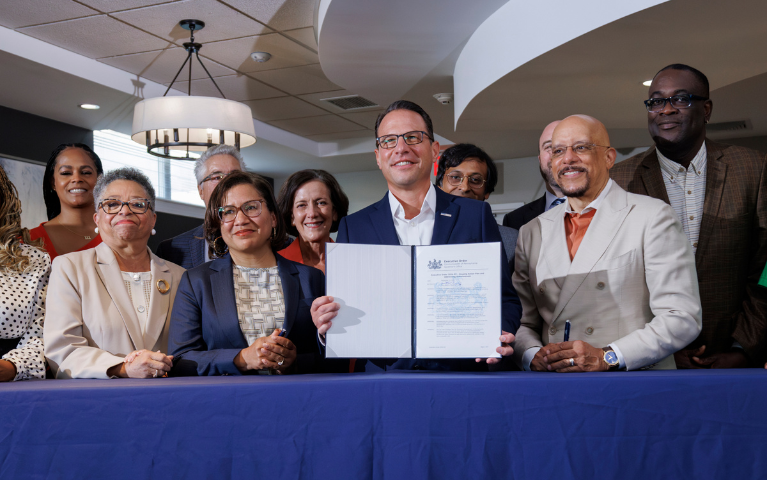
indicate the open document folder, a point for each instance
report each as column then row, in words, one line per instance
column 434, row 301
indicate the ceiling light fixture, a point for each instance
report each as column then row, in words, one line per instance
column 647, row 83
column 89, row 106
column 261, row 57
column 171, row 127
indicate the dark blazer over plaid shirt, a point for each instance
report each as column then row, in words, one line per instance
column 732, row 248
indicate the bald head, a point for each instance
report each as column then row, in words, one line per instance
column 596, row 129
column 581, row 157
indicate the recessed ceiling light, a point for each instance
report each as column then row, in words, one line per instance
column 647, row 83
column 89, row 106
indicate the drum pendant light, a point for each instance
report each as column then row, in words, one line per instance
column 171, row 127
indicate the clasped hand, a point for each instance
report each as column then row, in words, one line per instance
column 324, row 310
column 146, row 364
column 273, row 352
column 555, row 357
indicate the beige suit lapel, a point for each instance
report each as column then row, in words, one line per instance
column 159, row 303
column 554, row 262
column 108, row 271
column 602, row 230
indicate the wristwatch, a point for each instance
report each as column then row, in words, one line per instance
column 611, row 358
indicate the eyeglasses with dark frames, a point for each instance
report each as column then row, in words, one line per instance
column 579, row 149
column 411, row 138
column 676, row 101
column 215, row 177
column 251, row 209
column 112, row 206
column 474, row 181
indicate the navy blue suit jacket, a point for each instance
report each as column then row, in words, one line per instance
column 186, row 250
column 457, row 220
column 205, row 333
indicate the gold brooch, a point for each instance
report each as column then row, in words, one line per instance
column 163, row 286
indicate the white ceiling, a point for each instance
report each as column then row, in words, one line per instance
column 377, row 50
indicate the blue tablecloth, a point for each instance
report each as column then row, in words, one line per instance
column 703, row 424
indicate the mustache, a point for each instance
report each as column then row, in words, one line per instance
column 570, row 169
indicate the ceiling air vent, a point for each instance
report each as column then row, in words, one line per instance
column 729, row 126
column 350, row 102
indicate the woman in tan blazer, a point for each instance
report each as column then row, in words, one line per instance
column 110, row 305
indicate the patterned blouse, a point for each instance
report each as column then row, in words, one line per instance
column 260, row 301
column 22, row 309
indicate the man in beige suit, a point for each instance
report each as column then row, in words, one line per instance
column 615, row 264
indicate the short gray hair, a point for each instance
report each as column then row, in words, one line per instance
column 199, row 164
column 125, row 173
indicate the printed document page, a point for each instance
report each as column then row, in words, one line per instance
column 458, row 300
column 373, row 285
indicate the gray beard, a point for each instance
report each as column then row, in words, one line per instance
column 579, row 192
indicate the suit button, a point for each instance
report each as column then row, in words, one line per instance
column 552, row 330
column 589, row 331
column 601, row 285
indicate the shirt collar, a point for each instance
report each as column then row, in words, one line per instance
column 671, row 168
column 595, row 203
column 429, row 204
column 550, row 197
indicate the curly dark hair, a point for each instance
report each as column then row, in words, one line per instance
column 52, row 202
column 288, row 195
column 455, row 155
column 212, row 225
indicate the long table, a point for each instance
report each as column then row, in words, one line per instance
column 699, row 424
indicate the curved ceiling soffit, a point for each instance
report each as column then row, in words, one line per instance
column 519, row 24
column 380, row 50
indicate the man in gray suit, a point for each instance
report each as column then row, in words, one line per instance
column 465, row 170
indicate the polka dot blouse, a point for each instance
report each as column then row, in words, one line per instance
column 22, row 308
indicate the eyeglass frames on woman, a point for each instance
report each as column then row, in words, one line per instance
column 113, row 206
column 474, row 181
column 251, row 209
column 676, row 101
column 411, row 138
column 578, row 149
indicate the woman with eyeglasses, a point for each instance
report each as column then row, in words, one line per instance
column 312, row 204
column 70, row 175
column 247, row 311
column 111, row 305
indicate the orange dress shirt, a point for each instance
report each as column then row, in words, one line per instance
column 576, row 225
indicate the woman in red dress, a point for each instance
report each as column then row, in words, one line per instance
column 70, row 176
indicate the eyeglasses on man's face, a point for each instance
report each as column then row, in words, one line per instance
column 214, row 178
column 251, row 209
column 474, row 181
column 676, row 101
column 580, row 149
column 411, row 138
column 113, row 206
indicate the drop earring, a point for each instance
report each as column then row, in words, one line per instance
column 154, row 232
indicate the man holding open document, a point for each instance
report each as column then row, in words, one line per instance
column 413, row 212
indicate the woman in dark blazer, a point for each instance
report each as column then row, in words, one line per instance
column 247, row 311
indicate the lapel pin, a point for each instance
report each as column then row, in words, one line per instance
column 446, row 214
column 163, row 286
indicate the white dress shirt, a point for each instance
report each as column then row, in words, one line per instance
column 686, row 189
column 419, row 229
column 527, row 358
